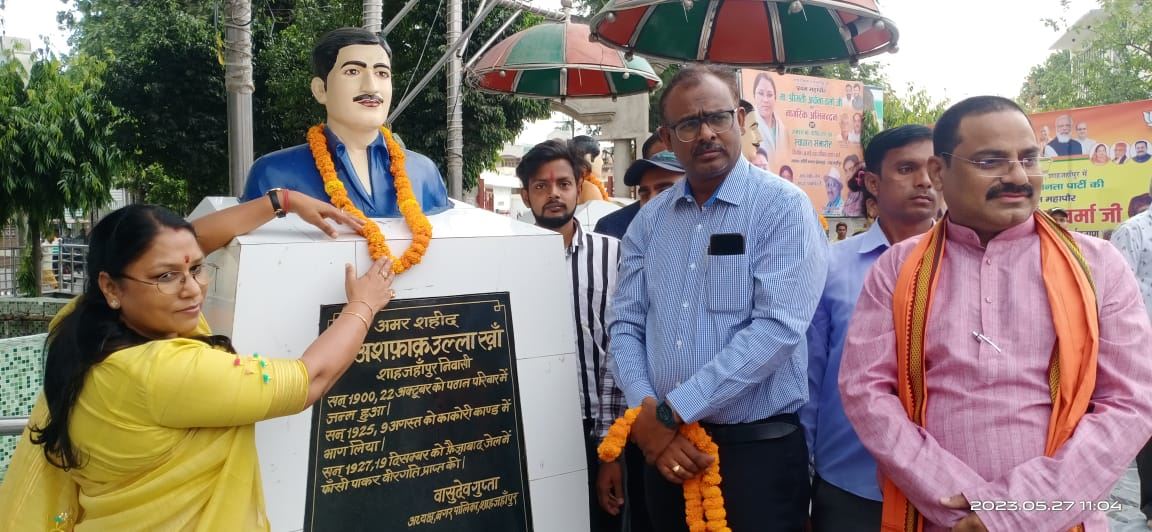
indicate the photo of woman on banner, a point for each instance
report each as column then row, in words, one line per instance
column 786, row 173
column 1100, row 154
column 773, row 134
column 854, row 204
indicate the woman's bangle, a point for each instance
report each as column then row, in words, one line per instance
column 286, row 192
column 370, row 308
column 362, row 318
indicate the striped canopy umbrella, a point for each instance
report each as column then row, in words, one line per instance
column 747, row 33
column 559, row 60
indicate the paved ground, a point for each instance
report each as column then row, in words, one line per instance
column 1127, row 492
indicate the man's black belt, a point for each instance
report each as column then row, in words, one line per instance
column 771, row 428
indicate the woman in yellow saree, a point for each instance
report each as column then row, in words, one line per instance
column 146, row 421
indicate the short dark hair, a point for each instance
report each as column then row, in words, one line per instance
column 329, row 46
column 647, row 148
column 841, row 224
column 891, row 139
column 1144, row 142
column 946, row 136
column 693, row 75
column 746, row 106
column 546, row 152
column 585, row 145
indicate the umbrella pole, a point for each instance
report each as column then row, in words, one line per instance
column 399, row 16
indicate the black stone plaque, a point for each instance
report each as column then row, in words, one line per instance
column 423, row 432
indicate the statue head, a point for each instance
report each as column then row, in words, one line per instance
column 589, row 149
column 352, row 78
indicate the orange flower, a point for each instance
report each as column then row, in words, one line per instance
column 591, row 178
column 703, row 499
column 405, row 199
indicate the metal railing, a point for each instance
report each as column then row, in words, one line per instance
column 12, row 426
column 65, row 276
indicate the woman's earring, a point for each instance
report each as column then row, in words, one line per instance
column 114, row 304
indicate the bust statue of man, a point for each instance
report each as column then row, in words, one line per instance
column 352, row 71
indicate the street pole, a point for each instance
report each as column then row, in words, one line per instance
column 454, row 157
column 373, row 15
column 239, row 87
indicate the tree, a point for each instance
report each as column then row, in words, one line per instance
column 59, row 150
column 166, row 74
column 1115, row 64
column 915, row 106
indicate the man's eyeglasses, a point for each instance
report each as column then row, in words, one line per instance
column 1001, row 166
column 172, row 282
column 688, row 130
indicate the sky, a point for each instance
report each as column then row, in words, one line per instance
column 953, row 49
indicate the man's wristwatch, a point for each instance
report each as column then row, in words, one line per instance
column 665, row 415
column 274, row 197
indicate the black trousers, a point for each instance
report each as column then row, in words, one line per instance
column 836, row 510
column 600, row 520
column 1144, row 471
column 765, row 486
column 635, row 503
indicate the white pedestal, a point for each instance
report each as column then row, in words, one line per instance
column 271, row 285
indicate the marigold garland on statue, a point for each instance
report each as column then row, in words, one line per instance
column 591, row 178
column 405, row 199
column 703, row 500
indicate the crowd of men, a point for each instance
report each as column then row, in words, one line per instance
column 717, row 299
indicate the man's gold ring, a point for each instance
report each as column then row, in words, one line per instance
column 676, row 468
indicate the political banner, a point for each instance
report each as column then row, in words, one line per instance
column 810, row 134
column 1102, row 166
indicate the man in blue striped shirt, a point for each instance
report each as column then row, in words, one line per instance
column 718, row 281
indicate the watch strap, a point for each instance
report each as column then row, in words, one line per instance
column 665, row 415
column 274, row 197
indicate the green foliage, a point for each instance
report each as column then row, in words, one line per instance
column 29, row 271
column 152, row 184
column 916, row 106
column 58, row 136
column 165, row 75
column 869, row 127
column 1115, row 65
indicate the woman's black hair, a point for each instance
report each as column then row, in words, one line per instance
column 93, row 330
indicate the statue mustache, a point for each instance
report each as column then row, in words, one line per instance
column 372, row 97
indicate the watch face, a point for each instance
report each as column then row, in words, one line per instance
column 664, row 414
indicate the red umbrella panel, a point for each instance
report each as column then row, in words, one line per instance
column 747, row 33
column 559, row 60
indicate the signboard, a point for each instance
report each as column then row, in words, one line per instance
column 1101, row 172
column 424, row 430
column 810, row 134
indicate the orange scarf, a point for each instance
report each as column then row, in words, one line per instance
column 1071, row 372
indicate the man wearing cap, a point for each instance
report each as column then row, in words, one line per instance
column 650, row 177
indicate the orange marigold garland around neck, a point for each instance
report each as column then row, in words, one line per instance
column 405, row 200
column 703, row 500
